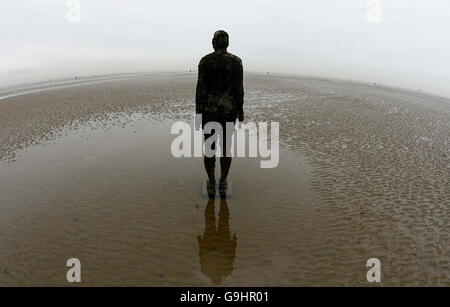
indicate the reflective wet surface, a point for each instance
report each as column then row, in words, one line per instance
column 87, row 172
column 135, row 215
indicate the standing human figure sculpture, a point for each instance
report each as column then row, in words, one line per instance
column 219, row 98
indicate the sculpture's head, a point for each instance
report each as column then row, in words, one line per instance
column 220, row 40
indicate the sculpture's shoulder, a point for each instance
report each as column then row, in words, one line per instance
column 213, row 57
column 207, row 59
column 234, row 58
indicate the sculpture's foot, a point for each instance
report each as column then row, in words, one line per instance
column 211, row 188
column 223, row 187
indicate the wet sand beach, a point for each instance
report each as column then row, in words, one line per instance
column 86, row 172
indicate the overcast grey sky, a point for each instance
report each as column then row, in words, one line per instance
column 406, row 43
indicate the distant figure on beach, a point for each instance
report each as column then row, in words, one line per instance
column 217, row 247
column 219, row 98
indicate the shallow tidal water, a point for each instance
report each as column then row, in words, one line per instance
column 86, row 172
column 116, row 199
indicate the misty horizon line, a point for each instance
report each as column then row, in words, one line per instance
column 67, row 78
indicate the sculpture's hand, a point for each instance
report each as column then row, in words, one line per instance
column 240, row 119
column 241, row 116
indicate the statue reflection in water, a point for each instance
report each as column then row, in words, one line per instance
column 217, row 247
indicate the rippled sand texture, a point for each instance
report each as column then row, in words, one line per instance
column 381, row 166
column 86, row 172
